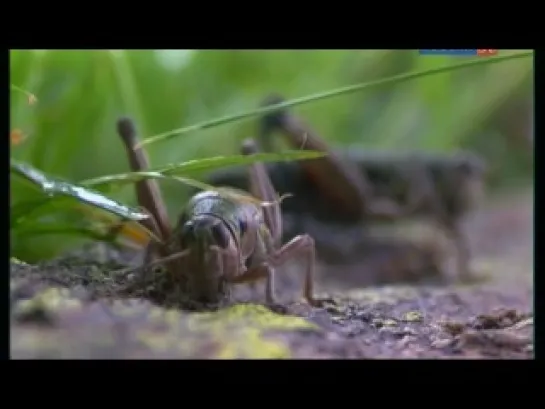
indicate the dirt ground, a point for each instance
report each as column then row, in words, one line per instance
column 68, row 309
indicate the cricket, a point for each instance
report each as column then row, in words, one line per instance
column 277, row 204
column 219, row 239
column 345, row 187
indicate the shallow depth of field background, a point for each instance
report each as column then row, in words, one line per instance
column 71, row 130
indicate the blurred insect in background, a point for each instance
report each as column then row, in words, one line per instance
column 348, row 187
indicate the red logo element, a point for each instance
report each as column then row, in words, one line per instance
column 486, row 53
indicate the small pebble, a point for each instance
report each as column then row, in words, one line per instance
column 441, row 343
column 528, row 348
column 412, row 316
column 389, row 323
column 364, row 316
column 410, row 331
column 452, row 327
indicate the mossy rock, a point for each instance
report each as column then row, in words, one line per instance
column 75, row 312
column 57, row 323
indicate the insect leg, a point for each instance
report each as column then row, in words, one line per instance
column 257, row 273
column 262, row 188
column 147, row 191
column 463, row 254
column 165, row 260
column 336, row 178
column 300, row 245
column 303, row 244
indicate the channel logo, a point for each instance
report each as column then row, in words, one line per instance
column 461, row 52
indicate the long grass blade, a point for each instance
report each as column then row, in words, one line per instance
column 200, row 165
column 31, row 98
column 330, row 94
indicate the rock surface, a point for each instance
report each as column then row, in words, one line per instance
column 66, row 309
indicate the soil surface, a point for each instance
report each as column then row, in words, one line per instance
column 71, row 308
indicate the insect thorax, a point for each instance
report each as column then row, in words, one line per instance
column 232, row 211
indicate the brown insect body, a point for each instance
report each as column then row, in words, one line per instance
column 220, row 234
column 424, row 182
column 220, row 238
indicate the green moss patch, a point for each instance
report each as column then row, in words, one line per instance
column 61, row 323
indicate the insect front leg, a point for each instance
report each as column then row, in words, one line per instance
column 268, row 259
column 268, row 236
column 149, row 196
column 258, row 273
column 236, row 272
column 147, row 191
column 262, row 188
column 300, row 245
column 267, row 256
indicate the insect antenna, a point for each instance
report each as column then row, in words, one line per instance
column 152, row 264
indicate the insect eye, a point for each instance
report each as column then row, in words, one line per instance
column 243, row 226
column 221, row 236
column 187, row 229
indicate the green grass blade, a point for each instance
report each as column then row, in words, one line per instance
column 53, row 187
column 199, row 165
column 333, row 93
column 31, row 98
column 133, row 177
column 128, row 89
column 217, row 162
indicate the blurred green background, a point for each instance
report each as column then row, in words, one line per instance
column 71, row 130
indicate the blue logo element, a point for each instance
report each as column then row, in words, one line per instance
column 448, row 52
